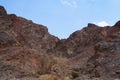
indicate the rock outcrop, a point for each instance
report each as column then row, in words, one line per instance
column 27, row 50
column 95, row 51
column 23, row 47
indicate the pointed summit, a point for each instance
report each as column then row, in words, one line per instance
column 92, row 25
column 117, row 24
column 3, row 12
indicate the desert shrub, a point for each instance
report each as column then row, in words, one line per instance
column 97, row 79
column 48, row 77
column 53, row 65
column 74, row 75
column 46, row 62
column 60, row 68
column 35, row 64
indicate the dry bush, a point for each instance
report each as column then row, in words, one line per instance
column 52, row 77
column 54, row 66
column 60, row 67
column 48, row 77
column 36, row 64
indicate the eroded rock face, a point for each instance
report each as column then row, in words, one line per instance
column 94, row 51
column 23, row 46
column 3, row 12
column 103, row 59
column 27, row 49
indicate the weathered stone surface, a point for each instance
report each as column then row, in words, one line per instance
column 28, row 50
column 103, row 59
column 117, row 24
column 23, row 47
column 94, row 51
column 3, row 12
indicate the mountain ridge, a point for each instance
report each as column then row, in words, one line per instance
column 28, row 50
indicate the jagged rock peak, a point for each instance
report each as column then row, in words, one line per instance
column 2, row 11
column 92, row 25
column 117, row 24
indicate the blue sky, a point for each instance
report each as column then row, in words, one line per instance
column 62, row 17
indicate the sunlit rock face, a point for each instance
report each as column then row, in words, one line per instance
column 94, row 50
column 22, row 44
column 27, row 48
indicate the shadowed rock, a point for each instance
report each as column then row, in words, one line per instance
column 117, row 24
column 3, row 12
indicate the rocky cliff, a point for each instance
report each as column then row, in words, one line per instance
column 23, row 45
column 27, row 50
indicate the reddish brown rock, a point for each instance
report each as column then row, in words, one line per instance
column 23, row 47
column 100, row 55
column 3, row 12
column 27, row 49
